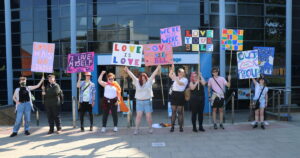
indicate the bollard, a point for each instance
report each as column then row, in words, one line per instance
column 37, row 117
column 232, row 108
column 73, row 111
column 273, row 100
column 289, row 104
column 278, row 105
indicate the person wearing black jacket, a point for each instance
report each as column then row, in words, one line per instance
column 53, row 100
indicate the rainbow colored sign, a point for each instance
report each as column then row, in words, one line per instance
column 232, row 39
column 158, row 54
column 199, row 40
column 127, row 54
column 42, row 57
column 248, row 64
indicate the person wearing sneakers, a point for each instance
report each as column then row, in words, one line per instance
column 260, row 96
column 53, row 100
column 177, row 96
column 143, row 96
column 22, row 97
column 197, row 84
column 87, row 94
column 110, row 99
column 217, row 84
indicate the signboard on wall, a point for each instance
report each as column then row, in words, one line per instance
column 80, row 62
column 42, row 57
column 158, row 54
column 199, row 40
column 127, row 54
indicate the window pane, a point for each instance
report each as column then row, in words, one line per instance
column 251, row 9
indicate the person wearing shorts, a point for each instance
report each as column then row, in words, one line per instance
column 217, row 84
column 143, row 96
column 261, row 94
column 177, row 96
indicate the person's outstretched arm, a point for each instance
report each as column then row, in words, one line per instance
column 38, row 85
column 132, row 76
column 100, row 81
column 155, row 72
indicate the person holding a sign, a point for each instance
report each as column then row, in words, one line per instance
column 260, row 101
column 217, row 99
column 177, row 96
column 53, row 100
column 23, row 98
column 112, row 96
column 143, row 96
column 197, row 84
column 87, row 94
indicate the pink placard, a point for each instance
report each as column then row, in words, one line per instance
column 171, row 35
column 80, row 62
column 158, row 54
column 42, row 57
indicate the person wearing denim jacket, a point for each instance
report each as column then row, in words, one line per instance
column 87, row 94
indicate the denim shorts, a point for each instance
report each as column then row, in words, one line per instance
column 144, row 106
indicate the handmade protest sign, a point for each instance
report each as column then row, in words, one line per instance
column 42, row 57
column 127, row 54
column 80, row 62
column 199, row 40
column 265, row 59
column 248, row 64
column 158, row 54
column 171, row 35
column 232, row 39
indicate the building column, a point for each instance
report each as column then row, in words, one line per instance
column 288, row 55
column 73, row 45
column 221, row 26
column 9, row 70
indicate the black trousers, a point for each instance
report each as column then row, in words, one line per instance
column 109, row 105
column 53, row 114
column 197, row 107
column 84, row 107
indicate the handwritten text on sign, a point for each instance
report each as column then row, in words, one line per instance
column 171, row 35
column 265, row 59
column 158, row 54
column 248, row 64
column 42, row 57
column 80, row 62
column 127, row 54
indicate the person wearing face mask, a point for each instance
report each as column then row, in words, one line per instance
column 143, row 96
column 177, row 96
column 86, row 98
column 22, row 97
column 53, row 100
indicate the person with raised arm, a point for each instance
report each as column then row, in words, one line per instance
column 23, row 99
column 177, row 96
column 196, row 86
column 143, row 96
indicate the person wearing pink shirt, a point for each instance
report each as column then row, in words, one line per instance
column 217, row 84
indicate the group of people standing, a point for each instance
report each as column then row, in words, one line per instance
column 143, row 94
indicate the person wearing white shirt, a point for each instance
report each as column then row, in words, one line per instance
column 177, row 96
column 143, row 96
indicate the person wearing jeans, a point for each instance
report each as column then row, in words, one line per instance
column 23, row 100
column 86, row 98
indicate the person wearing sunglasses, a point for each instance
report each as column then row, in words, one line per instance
column 110, row 99
column 23, row 100
column 143, row 96
column 177, row 96
column 217, row 84
column 87, row 96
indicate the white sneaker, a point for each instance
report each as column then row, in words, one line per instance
column 115, row 129
column 150, row 130
column 253, row 123
column 103, row 129
column 136, row 131
column 266, row 123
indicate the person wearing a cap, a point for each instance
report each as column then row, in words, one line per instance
column 53, row 100
column 22, row 97
column 86, row 98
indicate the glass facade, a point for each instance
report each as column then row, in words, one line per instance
column 102, row 22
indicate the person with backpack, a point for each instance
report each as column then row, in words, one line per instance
column 260, row 100
column 177, row 96
column 23, row 99
column 53, row 101
column 87, row 96
column 196, row 86
column 217, row 84
column 143, row 96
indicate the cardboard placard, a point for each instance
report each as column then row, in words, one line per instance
column 171, row 35
column 265, row 59
column 80, row 62
column 127, row 54
column 42, row 57
column 199, row 40
column 232, row 39
column 248, row 64
column 158, row 54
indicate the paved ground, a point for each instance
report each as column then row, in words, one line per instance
column 280, row 139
